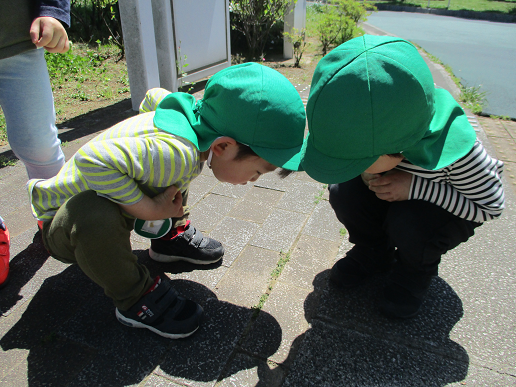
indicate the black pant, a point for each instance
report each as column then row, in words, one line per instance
column 420, row 231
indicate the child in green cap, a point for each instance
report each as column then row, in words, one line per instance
column 409, row 179
column 250, row 121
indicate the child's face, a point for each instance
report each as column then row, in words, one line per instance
column 228, row 170
column 383, row 164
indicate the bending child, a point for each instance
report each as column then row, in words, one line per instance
column 250, row 122
column 409, row 179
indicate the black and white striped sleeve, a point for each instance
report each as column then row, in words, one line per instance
column 470, row 188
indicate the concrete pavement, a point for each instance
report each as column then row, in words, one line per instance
column 272, row 319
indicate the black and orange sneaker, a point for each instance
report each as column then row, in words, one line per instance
column 186, row 244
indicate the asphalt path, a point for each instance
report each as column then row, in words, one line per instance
column 480, row 53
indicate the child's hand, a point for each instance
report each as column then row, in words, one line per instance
column 168, row 204
column 393, row 186
column 49, row 33
column 367, row 177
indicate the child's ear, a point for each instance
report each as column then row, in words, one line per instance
column 221, row 144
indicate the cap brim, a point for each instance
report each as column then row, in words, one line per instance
column 283, row 158
column 330, row 170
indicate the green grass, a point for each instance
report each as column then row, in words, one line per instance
column 507, row 6
column 6, row 161
column 473, row 98
column 84, row 78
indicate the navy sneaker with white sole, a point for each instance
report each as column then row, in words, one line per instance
column 163, row 311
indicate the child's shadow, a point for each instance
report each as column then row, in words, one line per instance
column 351, row 343
column 71, row 333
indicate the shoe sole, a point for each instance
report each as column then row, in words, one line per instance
column 135, row 324
column 173, row 258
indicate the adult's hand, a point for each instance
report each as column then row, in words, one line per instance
column 49, row 33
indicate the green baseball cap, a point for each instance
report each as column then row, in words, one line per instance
column 372, row 96
column 251, row 103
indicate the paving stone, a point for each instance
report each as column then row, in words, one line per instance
column 256, row 204
column 245, row 371
column 231, row 190
column 207, row 213
column 45, row 362
column 200, row 187
column 494, row 128
column 309, row 257
column 234, row 235
column 249, row 277
column 301, row 196
column 11, row 361
column 199, row 359
column 34, row 327
column 333, row 356
column 304, row 177
column 482, row 272
column 505, row 150
column 286, row 305
column 279, row 230
column 17, row 378
column 272, row 181
column 510, row 126
column 206, row 276
column 358, row 307
column 510, row 174
column 482, row 376
column 324, row 224
column 158, row 381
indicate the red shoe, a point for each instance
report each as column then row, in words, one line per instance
column 4, row 254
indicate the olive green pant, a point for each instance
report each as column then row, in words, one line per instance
column 91, row 231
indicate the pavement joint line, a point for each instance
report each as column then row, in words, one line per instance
column 396, row 340
column 274, row 277
column 254, row 316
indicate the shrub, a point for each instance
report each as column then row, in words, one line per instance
column 255, row 19
column 297, row 38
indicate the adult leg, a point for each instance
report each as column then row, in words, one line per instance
column 363, row 215
column 27, row 101
column 422, row 232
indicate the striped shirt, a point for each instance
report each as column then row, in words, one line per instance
column 131, row 159
column 470, row 188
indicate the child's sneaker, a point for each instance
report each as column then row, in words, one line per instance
column 404, row 293
column 188, row 245
column 359, row 264
column 5, row 242
column 163, row 311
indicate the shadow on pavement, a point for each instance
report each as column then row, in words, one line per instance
column 73, row 337
column 22, row 269
column 351, row 344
